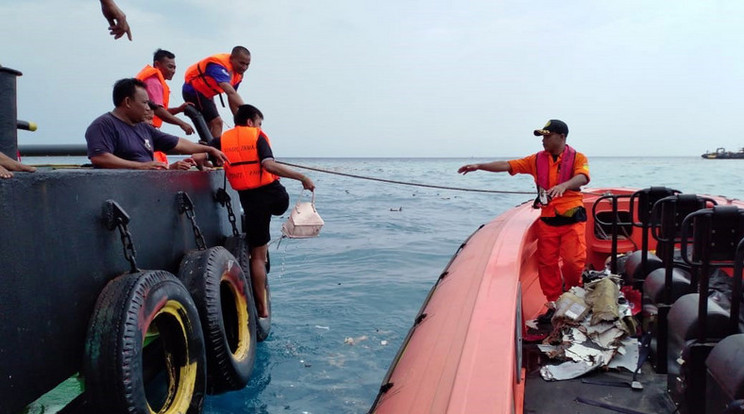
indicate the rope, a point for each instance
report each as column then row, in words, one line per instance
column 475, row 190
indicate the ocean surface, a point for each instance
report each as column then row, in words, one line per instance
column 343, row 302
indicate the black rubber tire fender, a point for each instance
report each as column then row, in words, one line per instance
column 239, row 248
column 119, row 370
column 228, row 316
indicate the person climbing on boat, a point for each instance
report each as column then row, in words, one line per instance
column 7, row 165
column 559, row 172
column 255, row 175
column 212, row 76
column 120, row 138
column 116, row 18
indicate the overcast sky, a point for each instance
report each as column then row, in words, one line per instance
column 405, row 78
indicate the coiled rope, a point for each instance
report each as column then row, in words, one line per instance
column 441, row 187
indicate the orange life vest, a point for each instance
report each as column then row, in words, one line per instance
column 547, row 177
column 160, row 156
column 149, row 71
column 565, row 170
column 206, row 85
column 245, row 171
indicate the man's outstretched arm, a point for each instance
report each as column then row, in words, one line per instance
column 494, row 166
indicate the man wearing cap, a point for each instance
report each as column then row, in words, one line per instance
column 559, row 172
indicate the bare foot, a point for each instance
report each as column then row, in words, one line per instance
column 5, row 173
column 8, row 164
column 27, row 168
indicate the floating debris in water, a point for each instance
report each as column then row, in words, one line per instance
column 383, row 342
column 322, row 327
column 352, row 341
column 397, row 209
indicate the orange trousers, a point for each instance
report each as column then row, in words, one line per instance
column 567, row 243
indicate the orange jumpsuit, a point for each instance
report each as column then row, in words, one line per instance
column 565, row 242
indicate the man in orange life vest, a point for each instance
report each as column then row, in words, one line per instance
column 559, row 172
column 254, row 173
column 211, row 76
column 163, row 68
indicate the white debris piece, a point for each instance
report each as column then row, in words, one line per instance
column 609, row 338
column 579, row 352
column 566, row 370
column 627, row 355
column 574, row 335
column 589, row 332
column 594, row 330
column 532, row 323
column 352, row 341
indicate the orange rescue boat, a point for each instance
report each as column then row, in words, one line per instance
column 465, row 351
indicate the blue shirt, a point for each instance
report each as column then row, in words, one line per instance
column 215, row 71
column 109, row 134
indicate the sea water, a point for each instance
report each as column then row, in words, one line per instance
column 343, row 302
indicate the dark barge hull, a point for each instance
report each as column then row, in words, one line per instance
column 57, row 254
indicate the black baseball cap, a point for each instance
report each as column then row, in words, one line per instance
column 554, row 125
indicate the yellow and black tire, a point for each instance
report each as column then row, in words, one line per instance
column 228, row 316
column 239, row 248
column 144, row 351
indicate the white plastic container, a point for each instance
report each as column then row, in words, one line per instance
column 304, row 221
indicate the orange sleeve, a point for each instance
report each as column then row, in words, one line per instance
column 526, row 165
column 581, row 166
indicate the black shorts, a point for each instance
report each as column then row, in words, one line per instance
column 205, row 105
column 259, row 205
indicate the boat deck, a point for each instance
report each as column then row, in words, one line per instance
column 543, row 397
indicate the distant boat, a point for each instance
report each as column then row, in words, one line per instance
column 722, row 154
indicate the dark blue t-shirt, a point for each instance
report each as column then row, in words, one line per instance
column 109, row 134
